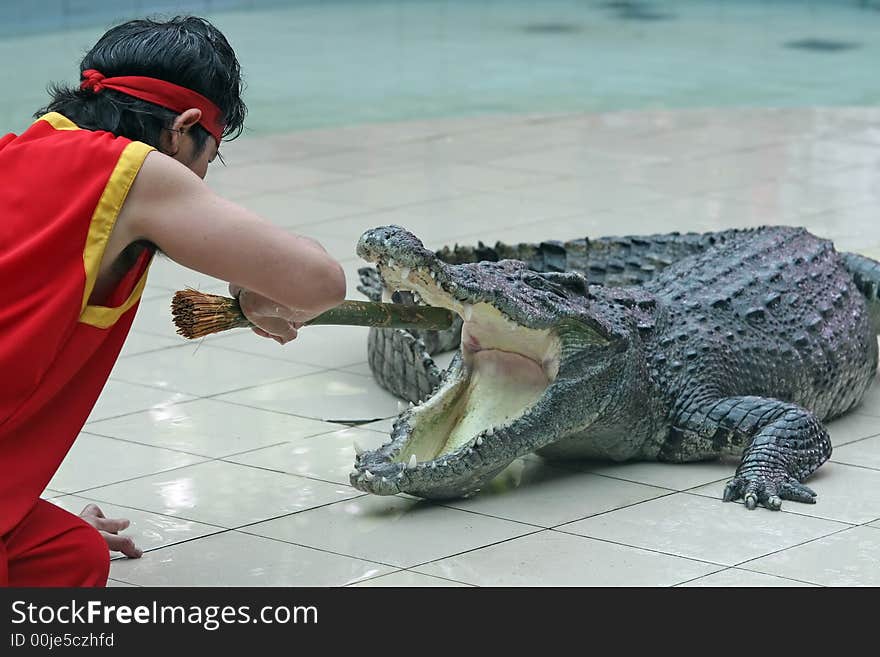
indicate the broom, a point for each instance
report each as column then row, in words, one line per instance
column 197, row 314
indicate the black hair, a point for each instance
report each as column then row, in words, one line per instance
column 186, row 50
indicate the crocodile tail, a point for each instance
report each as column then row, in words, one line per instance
column 866, row 274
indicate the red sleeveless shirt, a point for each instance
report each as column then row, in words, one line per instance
column 62, row 190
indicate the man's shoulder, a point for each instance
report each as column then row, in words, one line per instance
column 162, row 183
column 162, row 174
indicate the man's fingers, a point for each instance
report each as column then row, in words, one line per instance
column 109, row 529
column 261, row 332
column 286, row 337
column 92, row 510
column 111, row 525
column 281, row 333
column 260, row 310
column 122, row 544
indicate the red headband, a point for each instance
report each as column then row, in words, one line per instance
column 162, row 93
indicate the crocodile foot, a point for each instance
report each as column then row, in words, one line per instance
column 767, row 490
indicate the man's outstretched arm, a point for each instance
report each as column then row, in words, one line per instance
column 171, row 207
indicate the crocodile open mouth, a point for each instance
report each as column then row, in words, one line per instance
column 503, row 370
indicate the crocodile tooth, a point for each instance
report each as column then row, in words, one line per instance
column 400, row 475
column 467, row 311
column 411, row 404
column 404, row 273
column 368, row 475
column 358, row 450
column 411, row 465
column 490, row 431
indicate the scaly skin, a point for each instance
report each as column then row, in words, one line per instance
column 739, row 342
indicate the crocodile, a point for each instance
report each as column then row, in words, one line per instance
column 674, row 347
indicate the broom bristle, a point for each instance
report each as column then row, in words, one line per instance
column 197, row 314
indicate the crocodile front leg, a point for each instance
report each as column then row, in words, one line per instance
column 781, row 445
column 401, row 364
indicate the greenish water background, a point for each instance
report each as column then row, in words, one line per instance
column 343, row 62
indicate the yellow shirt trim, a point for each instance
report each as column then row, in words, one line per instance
column 103, row 220
column 58, row 121
column 102, row 223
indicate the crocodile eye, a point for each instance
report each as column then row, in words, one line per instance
column 538, row 282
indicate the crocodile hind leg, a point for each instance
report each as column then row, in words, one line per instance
column 781, row 445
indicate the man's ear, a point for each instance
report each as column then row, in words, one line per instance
column 169, row 140
column 187, row 119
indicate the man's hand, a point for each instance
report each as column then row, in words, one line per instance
column 109, row 529
column 270, row 319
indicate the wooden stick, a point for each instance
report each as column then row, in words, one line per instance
column 197, row 314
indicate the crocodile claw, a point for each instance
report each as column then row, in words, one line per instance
column 767, row 491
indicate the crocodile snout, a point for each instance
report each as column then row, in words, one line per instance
column 394, row 244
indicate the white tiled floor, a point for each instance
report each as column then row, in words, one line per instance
column 229, row 457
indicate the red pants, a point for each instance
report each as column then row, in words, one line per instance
column 51, row 547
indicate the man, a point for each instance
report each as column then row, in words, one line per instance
column 110, row 173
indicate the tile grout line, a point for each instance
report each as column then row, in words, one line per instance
column 580, row 536
column 407, row 570
column 91, row 431
column 593, row 515
column 735, row 568
column 238, row 529
column 195, row 398
column 258, row 408
column 215, row 394
column 203, row 456
column 642, row 548
column 806, row 542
